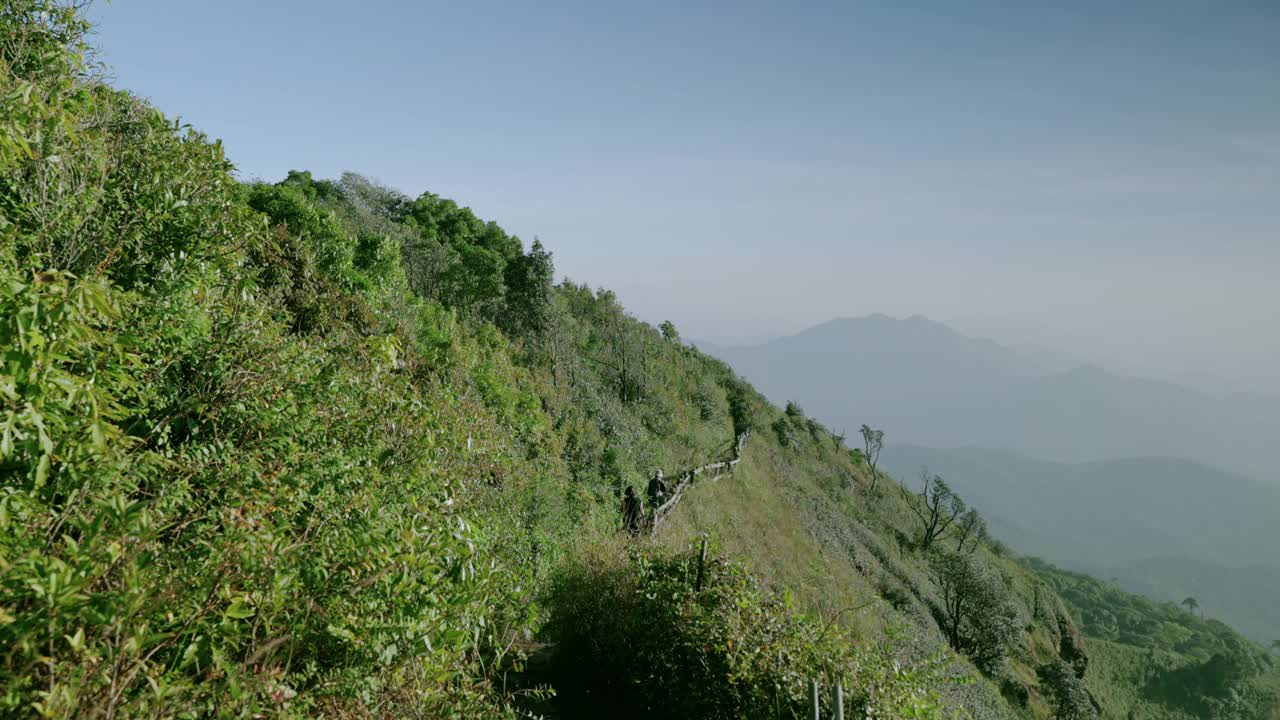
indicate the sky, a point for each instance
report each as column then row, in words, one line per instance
column 1096, row 176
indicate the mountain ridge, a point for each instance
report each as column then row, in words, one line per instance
column 928, row 384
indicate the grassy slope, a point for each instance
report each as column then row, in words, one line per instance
column 803, row 518
column 789, row 516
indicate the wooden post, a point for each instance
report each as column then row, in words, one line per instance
column 813, row 698
column 839, row 701
column 702, row 561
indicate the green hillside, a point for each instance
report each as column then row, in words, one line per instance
column 318, row 449
column 1160, row 659
column 1163, row 527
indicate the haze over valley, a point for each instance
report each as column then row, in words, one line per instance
column 927, row 384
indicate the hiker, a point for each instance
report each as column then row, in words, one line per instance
column 657, row 490
column 631, row 511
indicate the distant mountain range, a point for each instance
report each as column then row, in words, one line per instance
column 1162, row 527
column 1122, row 511
column 926, row 384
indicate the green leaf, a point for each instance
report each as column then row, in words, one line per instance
column 42, row 471
column 239, row 609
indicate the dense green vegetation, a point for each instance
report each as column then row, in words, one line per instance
column 1166, row 654
column 317, row 448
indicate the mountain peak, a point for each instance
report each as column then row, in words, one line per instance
column 882, row 320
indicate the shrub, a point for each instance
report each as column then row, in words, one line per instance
column 638, row 633
column 1015, row 692
column 785, row 432
column 251, row 543
column 205, row 506
column 706, row 399
column 816, row 429
column 739, row 406
column 1070, row 700
column 895, row 593
column 977, row 614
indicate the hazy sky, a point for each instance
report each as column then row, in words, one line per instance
column 1085, row 175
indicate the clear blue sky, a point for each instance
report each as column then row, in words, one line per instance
column 1101, row 176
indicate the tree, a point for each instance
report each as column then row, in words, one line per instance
column 1061, row 685
column 530, row 279
column 938, row 508
column 739, row 405
column 839, row 438
column 976, row 616
column 872, row 442
column 471, row 275
column 475, row 282
column 669, row 331
column 1230, row 668
column 618, row 345
column 785, row 431
column 309, row 255
column 1192, row 605
column 970, row 525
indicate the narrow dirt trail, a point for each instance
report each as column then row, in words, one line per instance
column 721, row 468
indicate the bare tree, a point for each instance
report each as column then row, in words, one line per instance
column 938, row 508
column 872, row 442
column 839, row 439
column 970, row 526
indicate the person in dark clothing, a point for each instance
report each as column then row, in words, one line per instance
column 657, row 490
column 631, row 511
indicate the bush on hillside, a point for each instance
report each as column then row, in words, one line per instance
column 1059, row 683
column 785, row 431
column 740, row 409
column 977, row 614
column 639, row 633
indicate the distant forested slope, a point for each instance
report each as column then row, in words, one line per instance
column 1165, row 527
